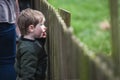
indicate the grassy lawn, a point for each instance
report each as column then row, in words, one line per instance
column 86, row 18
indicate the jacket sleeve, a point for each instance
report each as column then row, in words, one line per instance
column 28, row 65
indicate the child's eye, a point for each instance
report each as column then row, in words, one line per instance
column 40, row 24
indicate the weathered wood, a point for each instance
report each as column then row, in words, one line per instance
column 37, row 4
column 115, row 29
column 66, row 16
column 69, row 59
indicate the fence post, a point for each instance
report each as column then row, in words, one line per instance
column 115, row 29
column 66, row 16
column 37, row 4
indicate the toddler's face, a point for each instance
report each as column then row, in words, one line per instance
column 43, row 29
column 40, row 31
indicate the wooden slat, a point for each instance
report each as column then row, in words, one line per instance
column 66, row 16
column 115, row 29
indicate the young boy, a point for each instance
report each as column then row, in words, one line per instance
column 31, row 59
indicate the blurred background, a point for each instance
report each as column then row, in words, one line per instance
column 90, row 20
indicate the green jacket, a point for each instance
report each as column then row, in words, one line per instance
column 31, row 60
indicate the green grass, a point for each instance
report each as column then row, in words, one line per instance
column 86, row 16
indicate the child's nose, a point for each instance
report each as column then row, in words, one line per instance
column 45, row 28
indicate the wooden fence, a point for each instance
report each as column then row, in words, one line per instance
column 70, row 59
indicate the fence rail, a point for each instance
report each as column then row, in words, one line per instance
column 70, row 59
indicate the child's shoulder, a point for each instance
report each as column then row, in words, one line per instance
column 25, row 44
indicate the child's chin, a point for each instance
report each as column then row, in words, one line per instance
column 44, row 36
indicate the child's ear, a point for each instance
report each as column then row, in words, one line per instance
column 31, row 28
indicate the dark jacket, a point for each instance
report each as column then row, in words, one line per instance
column 31, row 60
